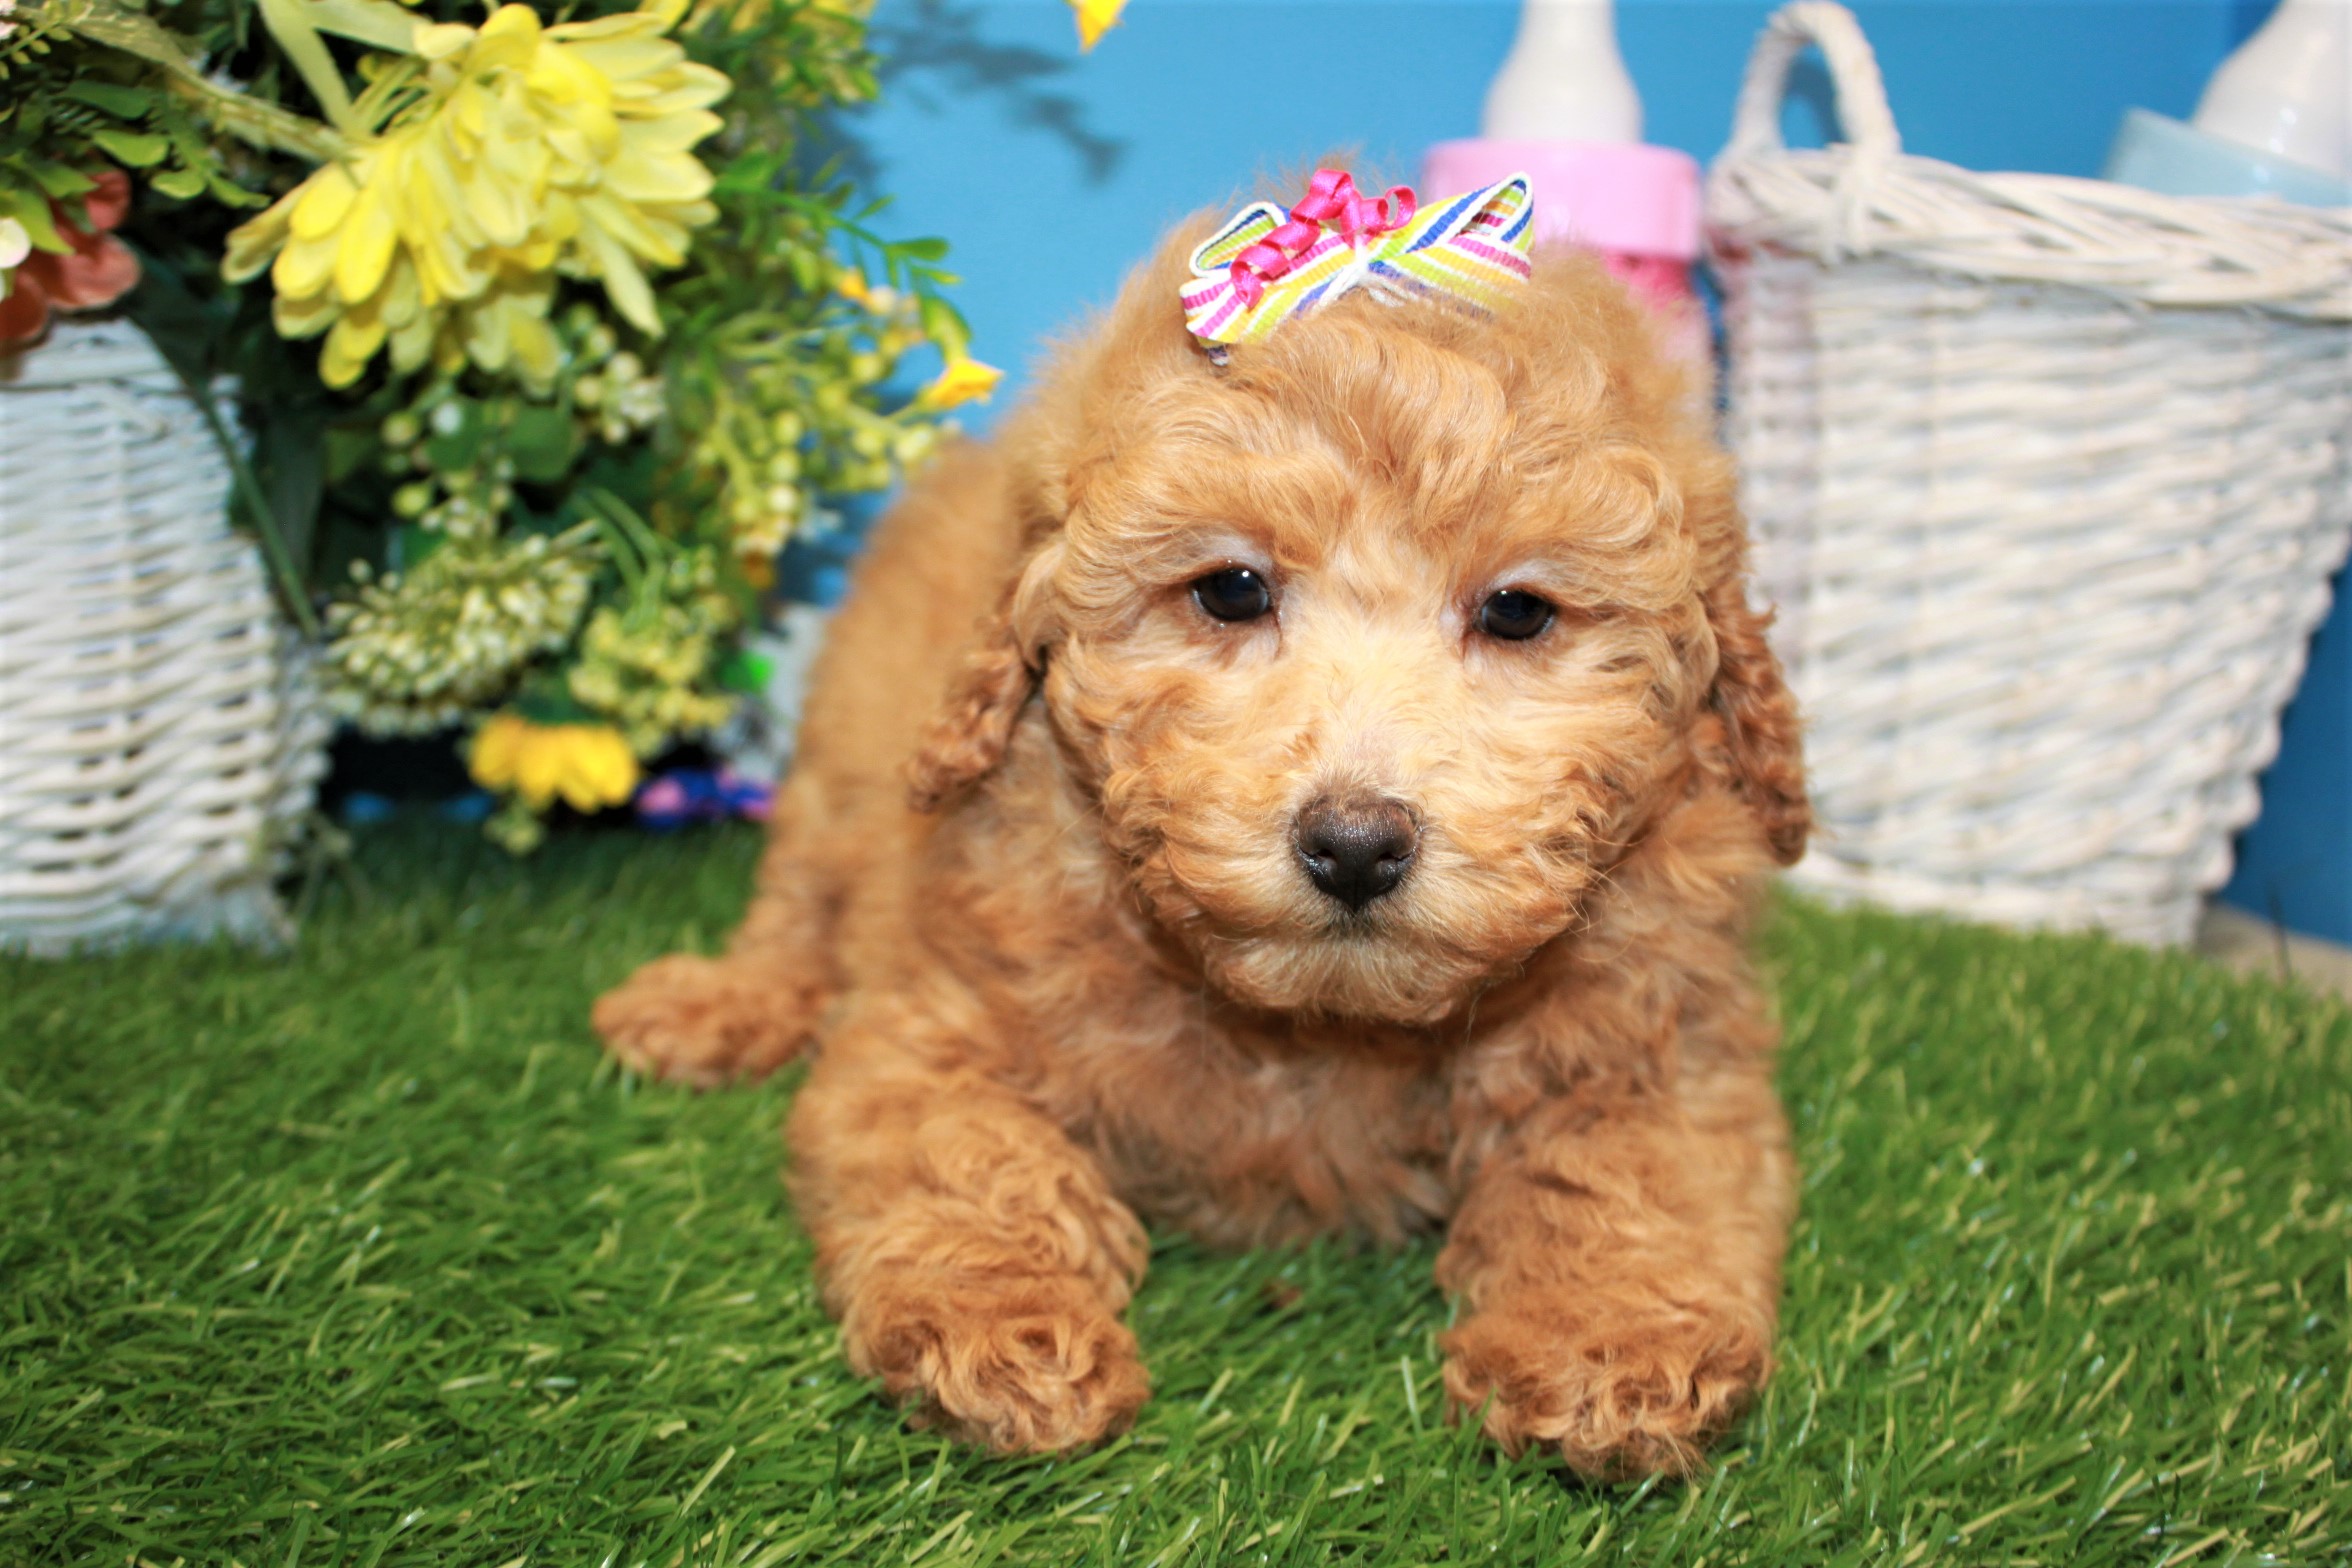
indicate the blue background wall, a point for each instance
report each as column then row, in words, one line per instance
column 1052, row 173
column 2295, row 863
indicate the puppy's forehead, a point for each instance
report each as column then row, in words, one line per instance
column 1345, row 429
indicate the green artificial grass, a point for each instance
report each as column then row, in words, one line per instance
column 364, row 1256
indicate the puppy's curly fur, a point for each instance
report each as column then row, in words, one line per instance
column 1085, row 978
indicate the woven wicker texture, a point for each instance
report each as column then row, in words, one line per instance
column 2047, row 479
column 158, row 737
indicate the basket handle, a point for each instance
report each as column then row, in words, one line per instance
column 1861, row 95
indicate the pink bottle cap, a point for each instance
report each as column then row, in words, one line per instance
column 1622, row 197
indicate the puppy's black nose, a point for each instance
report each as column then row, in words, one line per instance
column 1357, row 851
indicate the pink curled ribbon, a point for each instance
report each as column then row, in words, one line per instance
column 1267, row 265
column 1331, row 198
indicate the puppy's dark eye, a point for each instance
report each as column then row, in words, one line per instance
column 1513, row 615
column 1234, row 594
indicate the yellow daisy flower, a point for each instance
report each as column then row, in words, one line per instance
column 589, row 765
column 1095, row 18
column 963, row 381
column 533, row 151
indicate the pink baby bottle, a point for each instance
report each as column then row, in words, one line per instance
column 1564, row 112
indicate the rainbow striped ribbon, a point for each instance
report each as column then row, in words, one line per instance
column 1472, row 246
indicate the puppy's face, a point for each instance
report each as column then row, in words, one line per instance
column 1377, row 646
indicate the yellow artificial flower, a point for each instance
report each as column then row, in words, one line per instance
column 963, row 381
column 532, row 151
column 851, row 285
column 1095, row 18
column 589, row 765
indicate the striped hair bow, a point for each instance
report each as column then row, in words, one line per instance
column 1266, row 266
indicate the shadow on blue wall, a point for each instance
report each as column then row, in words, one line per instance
column 938, row 55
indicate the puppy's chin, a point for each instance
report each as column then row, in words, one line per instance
column 1262, row 938
column 1348, row 973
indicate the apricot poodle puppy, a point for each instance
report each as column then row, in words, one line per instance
column 1346, row 816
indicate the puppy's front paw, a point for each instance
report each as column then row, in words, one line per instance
column 1617, row 1396
column 702, row 1021
column 1022, row 1365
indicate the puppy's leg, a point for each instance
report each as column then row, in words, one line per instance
column 705, row 1020
column 1619, row 1262
column 975, row 1256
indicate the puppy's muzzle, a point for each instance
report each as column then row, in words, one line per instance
column 1356, row 851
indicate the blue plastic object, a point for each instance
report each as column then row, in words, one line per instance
column 2158, row 153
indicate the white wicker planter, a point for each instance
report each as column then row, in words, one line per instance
column 2047, row 478
column 158, row 738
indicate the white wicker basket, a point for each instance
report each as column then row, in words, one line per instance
column 158, row 736
column 2047, row 478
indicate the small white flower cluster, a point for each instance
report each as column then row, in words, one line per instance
column 465, row 504
column 647, row 666
column 623, row 398
column 414, row 652
column 461, row 517
column 761, row 517
column 761, row 531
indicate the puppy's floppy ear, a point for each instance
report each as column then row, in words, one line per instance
column 1052, row 445
column 1760, row 728
column 999, row 674
column 968, row 737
